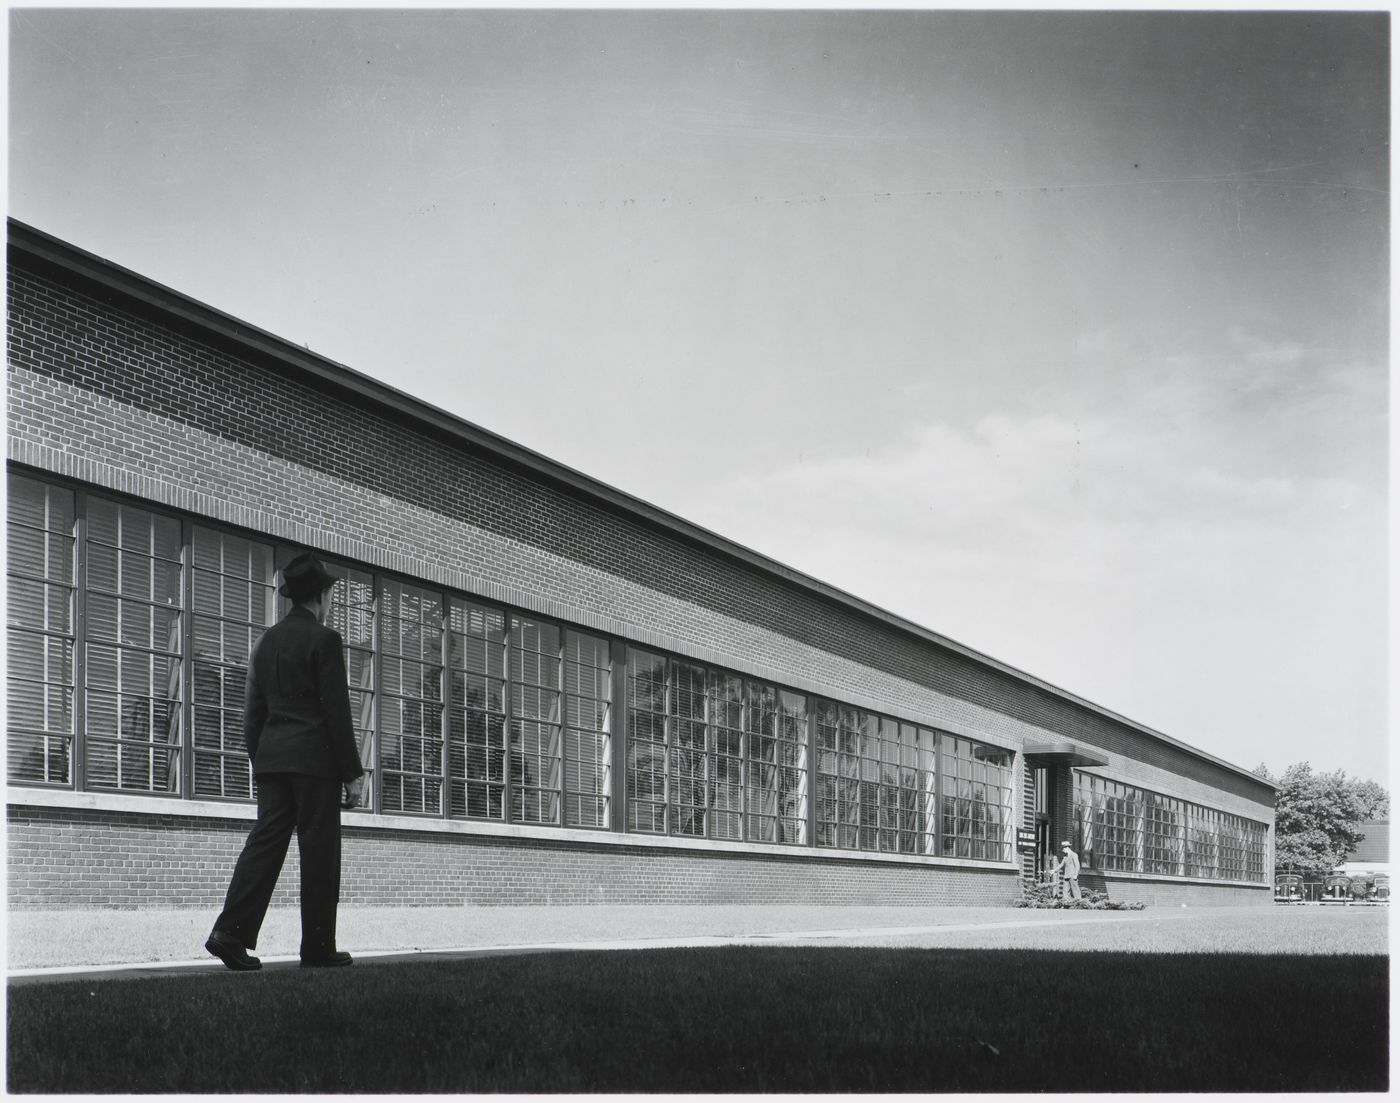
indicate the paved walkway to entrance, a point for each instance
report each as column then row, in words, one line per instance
column 121, row 942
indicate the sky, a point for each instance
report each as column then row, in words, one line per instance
column 1063, row 334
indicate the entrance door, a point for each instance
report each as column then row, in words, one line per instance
column 1041, row 780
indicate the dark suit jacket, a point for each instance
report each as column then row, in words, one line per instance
column 296, row 707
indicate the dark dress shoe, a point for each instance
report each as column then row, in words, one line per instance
column 339, row 957
column 231, row 952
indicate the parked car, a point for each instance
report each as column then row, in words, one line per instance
column 1336, row 889
column 1288, row 889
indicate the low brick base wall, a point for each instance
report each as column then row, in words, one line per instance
column 1173, row 894
column 65, row 858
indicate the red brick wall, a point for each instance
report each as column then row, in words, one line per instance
column 1173, row 894
column 62, row 857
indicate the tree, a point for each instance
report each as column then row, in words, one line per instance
column 1317, row 816
column 1375, row 800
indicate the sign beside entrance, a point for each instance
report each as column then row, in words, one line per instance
column 1025, row 838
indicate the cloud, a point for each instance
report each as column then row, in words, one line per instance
column 1257, row 350
column 1230, row 609
column 1248, row 404
column 1009, row 472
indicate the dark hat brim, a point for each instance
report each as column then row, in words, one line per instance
column 306, row 575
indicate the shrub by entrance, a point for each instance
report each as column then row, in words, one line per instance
column 1045, row 894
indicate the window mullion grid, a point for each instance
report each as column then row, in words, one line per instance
column 1192, row 833
column 890, row 804
column 450, row 675
column 615, row 721
column 1102, row 834
column 843, row 771
column 77, row 751
column 873, row 752
column 778, row 749
column 736, row 769
column 754, row 795
column 783, row 774
column 151, row 751
column 836, row 790
column 891, row 780
column 561, row 725
column 445, row 704
column 376, row 650
column 144, row 746
column 69, row 745
column 814, row 740
column 668, row 758
column 619, row 748
column 1177, row 840
column 250, row 593
column 1139, row 829
column 743, row 761
column 716, row 727
column 938, row 768
column 508, row 732
column 186, row 660
column 928, row 791
column 1089, row 837
column 438, row 701
column 747, row 742
column 384, row 615
column 868, row 791
column 562, row 678
column 923, row 800
column 709, row 749
column 809, row 741
column 855, row 732
column 860, row 744
column 806, row 782
column 45, row 635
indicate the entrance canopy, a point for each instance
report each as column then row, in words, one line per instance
column 1061, row 754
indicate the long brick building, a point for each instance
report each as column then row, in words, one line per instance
column 563, row 694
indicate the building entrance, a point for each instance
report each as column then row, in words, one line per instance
column 1043, row 852
column 1040, row 778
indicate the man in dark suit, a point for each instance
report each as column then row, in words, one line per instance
column 301, row 741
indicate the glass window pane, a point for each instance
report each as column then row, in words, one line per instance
column 588, row 749
column 134, row 672
column 411, row 758
column 233, row 602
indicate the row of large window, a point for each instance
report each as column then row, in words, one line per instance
column 1126, row 829
column 129, row 632
column 712, row 754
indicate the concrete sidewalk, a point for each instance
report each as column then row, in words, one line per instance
column 72, row 939
column 113, row 942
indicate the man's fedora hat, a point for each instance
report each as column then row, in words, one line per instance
column 306, row 576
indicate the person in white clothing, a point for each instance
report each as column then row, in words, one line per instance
column 1067, row 869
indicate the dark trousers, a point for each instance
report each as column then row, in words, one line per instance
column 310, row 806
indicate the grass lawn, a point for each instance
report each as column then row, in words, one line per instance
column 725, row 1019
